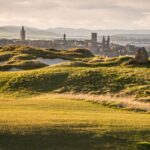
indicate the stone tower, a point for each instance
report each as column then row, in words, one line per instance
column 64, row 37
column 106, row 44
column 94, row 42
column 108, row 41
column 22, row 34
column 103, row 42
column 64, row 41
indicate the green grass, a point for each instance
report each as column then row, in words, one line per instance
column 23, row 57
column 54, row 122
column 121, row 81
column 87, row 118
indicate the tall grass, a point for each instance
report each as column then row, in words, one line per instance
column 127, row 103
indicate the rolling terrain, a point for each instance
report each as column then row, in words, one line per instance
column 28, row 58
column 87, row 102
column 79, row 72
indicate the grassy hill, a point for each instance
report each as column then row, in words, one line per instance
column 83, row 74
column 72, row 105
column 26, row 58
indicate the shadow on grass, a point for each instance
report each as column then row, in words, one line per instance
column 63, row 139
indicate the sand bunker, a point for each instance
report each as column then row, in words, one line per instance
column 15, row 69
column 2, row 62
column 51, row 61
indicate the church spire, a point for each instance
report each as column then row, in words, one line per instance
column 23, row 28
column 103, row 41
column 64, row 37
column 108, row 40
column 22, row 34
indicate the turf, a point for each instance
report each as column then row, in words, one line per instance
column 54, row 122
column 117, row 80
column 61, row 122
column 24, row 57
column 84, row 73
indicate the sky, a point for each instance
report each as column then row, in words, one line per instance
column 90, row 14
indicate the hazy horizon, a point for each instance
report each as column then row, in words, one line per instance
column 19, row 26
column 88, row 14
column 13, row 25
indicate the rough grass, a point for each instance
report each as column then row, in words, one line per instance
column 126, row 103
column 79, row 58
column 100, row 80
column 22, row 57
column 13, row 54
column 54, row 122
column 5, row 56
column 23, row 65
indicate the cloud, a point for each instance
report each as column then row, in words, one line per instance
column 129, row 14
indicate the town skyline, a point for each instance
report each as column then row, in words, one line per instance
column 123, row 37
column 104, row 48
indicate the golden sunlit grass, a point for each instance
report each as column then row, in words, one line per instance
column 64, row 123
column 127, row 103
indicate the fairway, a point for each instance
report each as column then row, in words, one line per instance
column 52, row 122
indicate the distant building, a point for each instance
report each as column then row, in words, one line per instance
column 22, row 34
column 106, row 44
column 130, row 48
column 64, row 37
column 103, row 48
column 94, row 42
column 64, row 41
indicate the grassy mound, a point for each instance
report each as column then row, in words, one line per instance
column 18, row 56
column 121, row 81
column 84, row 52
column 36, row 82
column 5, row 56
column 22, row 65
column 13, row 56
column 23, row 57
column 84, row 74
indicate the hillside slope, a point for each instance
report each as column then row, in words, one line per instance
column 27, row 58
column 100, row 80
column 81, row 73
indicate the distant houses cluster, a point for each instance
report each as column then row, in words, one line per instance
column 105, row 47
